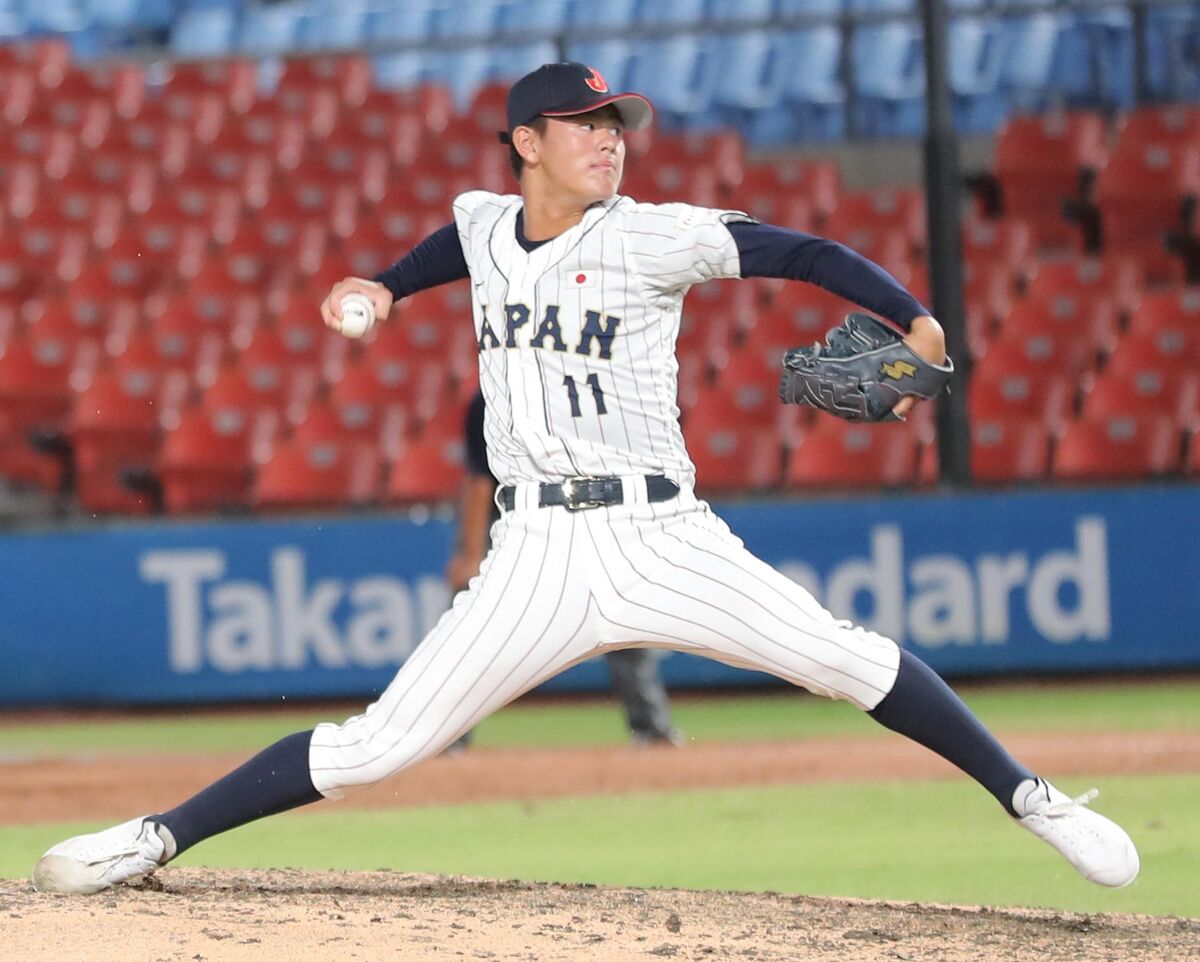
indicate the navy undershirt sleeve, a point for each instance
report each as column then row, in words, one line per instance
column 437, row 260
column 769, row 251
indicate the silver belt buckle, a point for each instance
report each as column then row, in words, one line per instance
column 571, row 498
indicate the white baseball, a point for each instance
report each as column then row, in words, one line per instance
column 358, row 315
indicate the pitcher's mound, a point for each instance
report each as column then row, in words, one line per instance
column 294, row 916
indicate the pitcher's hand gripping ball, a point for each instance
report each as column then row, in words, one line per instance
column 861, row 372
column 358, row 315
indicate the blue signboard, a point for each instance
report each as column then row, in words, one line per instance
column 259, row 609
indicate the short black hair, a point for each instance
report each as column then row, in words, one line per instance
column 515, row 160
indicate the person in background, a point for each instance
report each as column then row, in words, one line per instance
column 633, row 671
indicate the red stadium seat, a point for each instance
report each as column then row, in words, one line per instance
column 35, row 396
column 862, row 220
column 246, row 171
column 326, row 475
column 750, row 379
column 370, row 249
column 1193, row 460
column 735, row 460
column 488, row 109
column 235, row 81
column 433, row 103
column 990, row 243
column 1117, row 277
column 247, row 391
column 1082, row 318
column 115, row 425
column 1141, row 195
column 800, row 313
column 347, row 74
column 723, row 151
column 19, row 278
column 430, row 470
column 1176, row 310
column 841, row 455
column 999, row 394
column 443, row 417
column 1176, row 125
column 1117, row 448
column 170, row 127
column 1042, row 162
column 1040, row 353
column 178, row 205
column 367, row 407
column 206, row 463
column 1145, row 393
column 1009, row 450
column 771, row 193
column 1170, row 351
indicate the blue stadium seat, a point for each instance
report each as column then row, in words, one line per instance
column 534, row 16
column 749, row 78
column 462, row 71
column 1172, row 39
column 509, row 63
column 56, row 16
column 976, row 58
column 610, row 14
column 400, row 70
column 810, row 8
column 1094, row 62
column 411, row 21
column 882, row 6
column 12, row 26
column 204, row 32
column 724, row 11
column 135, row 14
column 610, row 57
column 813, row 98
column 672, row 73
column 270, row 30
column 334, row 31
column 672, row 12
column 466, row 19
column 889, row 67
column 1030, row 44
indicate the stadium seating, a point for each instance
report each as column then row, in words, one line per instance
column 427, row 471
column 185, row 219
column 1009, row 450
column 837, row 455
column 1119, row 447
column 300, row 476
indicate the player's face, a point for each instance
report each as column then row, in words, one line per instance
column 584, row 155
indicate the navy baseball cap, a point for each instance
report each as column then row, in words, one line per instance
column 566, row 89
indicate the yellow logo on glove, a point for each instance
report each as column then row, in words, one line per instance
column 898, row 370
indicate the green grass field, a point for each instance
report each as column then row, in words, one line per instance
column 941, row 841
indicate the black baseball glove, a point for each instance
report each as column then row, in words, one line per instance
column 860, row 373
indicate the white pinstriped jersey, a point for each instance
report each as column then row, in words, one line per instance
column 577, row 338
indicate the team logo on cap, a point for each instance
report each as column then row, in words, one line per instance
column 596, row 81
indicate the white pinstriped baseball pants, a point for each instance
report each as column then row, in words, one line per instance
column 559, row 587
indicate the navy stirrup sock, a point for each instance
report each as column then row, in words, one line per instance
column 273, row 781
column 922, row 707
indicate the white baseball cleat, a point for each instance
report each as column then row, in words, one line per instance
column 88, row 864
column 1099, row 848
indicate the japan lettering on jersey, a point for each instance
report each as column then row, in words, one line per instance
column 577, row 338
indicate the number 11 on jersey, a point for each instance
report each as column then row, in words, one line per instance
column 593, row 381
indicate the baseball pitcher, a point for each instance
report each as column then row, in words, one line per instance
column 602, row 544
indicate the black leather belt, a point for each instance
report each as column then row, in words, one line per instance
column 578, row 494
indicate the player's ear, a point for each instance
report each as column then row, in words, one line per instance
column 527, row 143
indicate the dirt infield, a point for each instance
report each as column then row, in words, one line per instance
column 206, row 916
column 195, row 915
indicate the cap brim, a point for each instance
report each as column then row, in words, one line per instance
column 636, row 111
